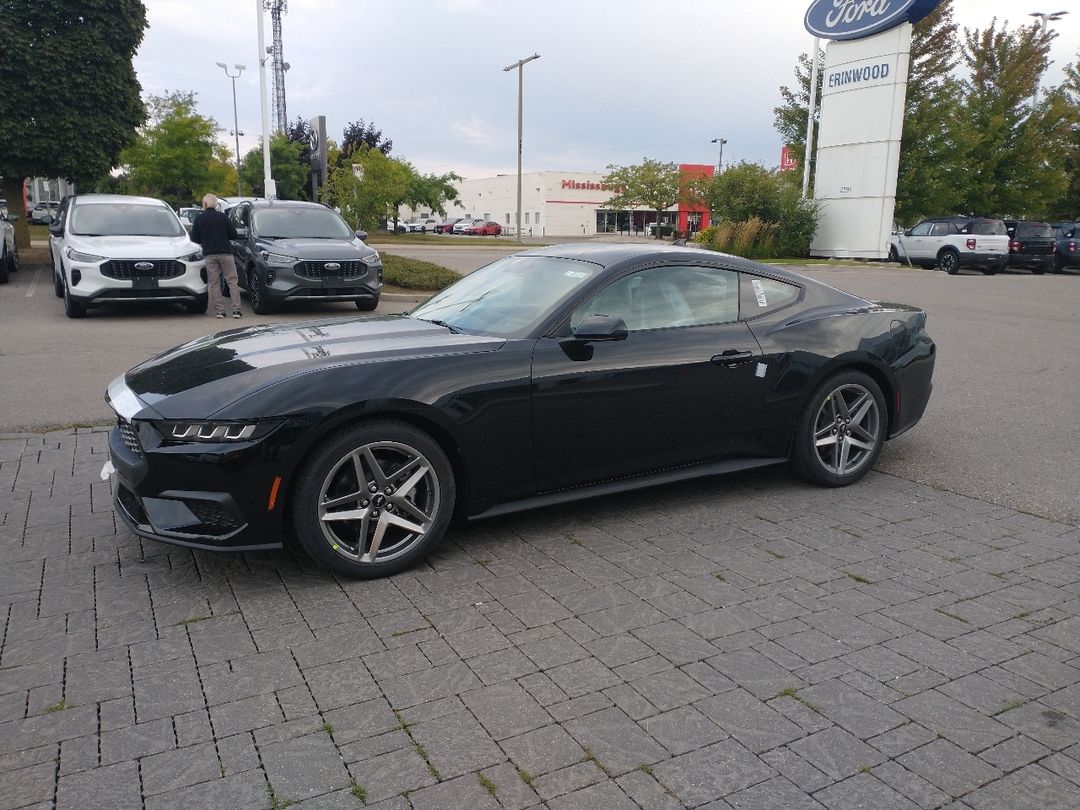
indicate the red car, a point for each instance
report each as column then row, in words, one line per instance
column 488, row 228
column 446, row 226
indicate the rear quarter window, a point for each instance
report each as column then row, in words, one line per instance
column 760, row 296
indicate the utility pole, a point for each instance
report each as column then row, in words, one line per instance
column 269, row 187
column 236, row 123
column 519, row 65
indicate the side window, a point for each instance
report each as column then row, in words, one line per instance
column 922, row 229
column 665, row 297
column 240, row 216
column 761, row 296
column 943, row 229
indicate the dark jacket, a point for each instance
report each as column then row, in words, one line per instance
column 213, row 230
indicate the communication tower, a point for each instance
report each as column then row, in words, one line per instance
column 277, row 61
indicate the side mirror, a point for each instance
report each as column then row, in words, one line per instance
column 12, row 217
column 601, row 327
column 241, row 233
column 907, row 232
column 361, row 235
column 56, row 229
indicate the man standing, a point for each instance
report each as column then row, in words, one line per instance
column 212, row 230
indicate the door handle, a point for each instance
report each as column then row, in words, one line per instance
column 732, row 357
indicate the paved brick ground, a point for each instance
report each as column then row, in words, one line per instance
column 740, row 643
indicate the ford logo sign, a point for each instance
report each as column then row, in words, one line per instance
column 855, row 19
column 331, row 266
column 144, row 265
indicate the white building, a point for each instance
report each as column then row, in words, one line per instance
column 553, row 204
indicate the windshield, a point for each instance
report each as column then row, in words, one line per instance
column 299, row 223
column 124, row 219
column 509, row 297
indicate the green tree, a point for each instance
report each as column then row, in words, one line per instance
column 430, row 190
column 1014, row 151
column 290, row 175
column 176, row 156
column 300, row 133
column 366, row 188
column 931, row 167
column 742, row 191
column 649, row 184
column 359, row 135
column 1067, row 206
column 70, row 99
column 789, row 118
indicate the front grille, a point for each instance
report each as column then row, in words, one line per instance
column 344, row 269
column 126, row 269
column 129, row 435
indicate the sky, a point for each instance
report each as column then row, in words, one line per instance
column 617, row 80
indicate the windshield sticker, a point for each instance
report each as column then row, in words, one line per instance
column 575, row 274
column 759, row 293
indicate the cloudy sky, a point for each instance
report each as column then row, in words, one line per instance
column 618, row 80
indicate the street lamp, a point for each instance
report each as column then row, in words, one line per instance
column 519, row 65
column 1046, row 20
column 236, row 124
column 720, row 159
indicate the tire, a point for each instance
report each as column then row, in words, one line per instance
column 368, row 305
column 388, row 455
column 4, row 267
column 13, row 259
column 1059, row 263
column 73, row 308
column 893, row 255
column 825, row 431
column 260, row 304
column 989, row 271
column 1046, row 267
column 58, row 284
column 199, row 305
column 949, row 261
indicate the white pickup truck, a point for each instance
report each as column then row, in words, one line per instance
column 952, row 243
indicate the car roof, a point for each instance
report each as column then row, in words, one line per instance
column 127, row 199
column 264, row 203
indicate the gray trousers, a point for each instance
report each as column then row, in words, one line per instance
column 218, row 265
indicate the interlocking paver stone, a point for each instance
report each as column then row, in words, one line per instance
column 726, row 657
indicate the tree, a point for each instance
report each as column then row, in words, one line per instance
column 789, row 118
column 176, row 156
column 366, row 193
column 1013, row 151
column 649, row 184
column 1068, row 206
column 290, row 176
column 300, row 133
column 743, row 191
column 930, row 160
column 70, row 101
column 358, row 136
column 431, row 190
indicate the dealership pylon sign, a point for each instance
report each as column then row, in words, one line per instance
column 864, row 90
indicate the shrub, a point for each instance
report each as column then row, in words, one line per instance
column 413, row 274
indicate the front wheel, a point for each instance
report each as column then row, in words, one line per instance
column 841, row 430
column 260, row 302
column 4, row 267
column 73, row 308
column 198, row 306
column 372, row 501
column 894, row 256
column 367, row 304
column 949, row 261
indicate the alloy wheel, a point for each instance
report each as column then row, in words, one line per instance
column 847, row 429
column 378, row 502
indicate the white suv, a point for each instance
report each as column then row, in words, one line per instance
column 421, row 225
column 110, row 248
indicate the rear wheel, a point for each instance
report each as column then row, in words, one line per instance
column 989, row 271
column 841, row 430
column 1046, row 266
column 260, row 303
column 949, row 261
column 373, row 500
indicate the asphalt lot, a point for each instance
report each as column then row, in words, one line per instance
column 741, row 643
column 1002, row 425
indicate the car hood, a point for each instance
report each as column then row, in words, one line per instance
column 133, row 247
column 317, row 248
column 200, row 377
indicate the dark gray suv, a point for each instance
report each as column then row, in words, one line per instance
column 301, row 251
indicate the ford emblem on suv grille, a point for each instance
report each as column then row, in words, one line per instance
column 331, row 266
column 144, row 265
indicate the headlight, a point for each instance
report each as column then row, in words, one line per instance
column 193, row 257
column 371, row 261
column 184, row 432
column 278, row 258
column 76, row 256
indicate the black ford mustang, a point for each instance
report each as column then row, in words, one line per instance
column 547, row 376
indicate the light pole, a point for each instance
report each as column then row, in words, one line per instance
column 720, row 158
column 1046, row 20
column 236, row 123
column 519, row 65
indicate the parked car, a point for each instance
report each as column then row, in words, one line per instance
column 421, row 225
column 545, row 377
column 44, row 213
column 482, row 228
column 1031, row 245
column 395, row 226
column 112, row 248
column 9, row 249
column 302, row 251
column 447, row 225
column 462, row 225
column 187, row 216
column 1067, row 256
column 952, row 243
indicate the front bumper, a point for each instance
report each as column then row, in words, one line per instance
column 288, row 283
column 89, row 285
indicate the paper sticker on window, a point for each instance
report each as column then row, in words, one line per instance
column 759, row 293
column 575, row 274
